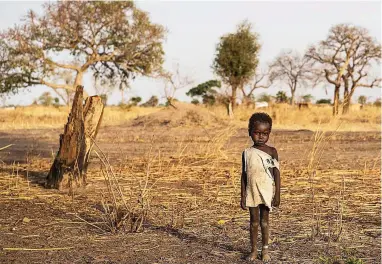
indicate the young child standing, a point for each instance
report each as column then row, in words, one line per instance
column 260, row 182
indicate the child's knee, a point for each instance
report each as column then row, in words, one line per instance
column 254, row 221
column 264, row 223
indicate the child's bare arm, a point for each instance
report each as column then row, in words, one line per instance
column 243, row 182
column 276, row 175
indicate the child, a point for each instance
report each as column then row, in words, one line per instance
column 260, row 173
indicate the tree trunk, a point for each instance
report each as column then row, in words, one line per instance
column 229, row 109
column 346, row 105
column 336, row 100
column 71, row 162
column 292, row 98
column 247, row 101
column 93, row 113
column 78, row 80
column 292, row 91
column 233, row 98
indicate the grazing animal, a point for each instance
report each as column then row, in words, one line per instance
column 303, row 105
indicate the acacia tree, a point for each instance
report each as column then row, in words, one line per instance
column 334, row 55
column 291, row 67
column 366, row 51
column 362, row 99
column 114, row 40
column 205, row 91
column 236, row 58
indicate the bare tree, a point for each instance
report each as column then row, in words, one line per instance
column 366, row 51
column 334, row 55
column 113, row 40
column 259, row 81
column 289, row 66
column 173, row 82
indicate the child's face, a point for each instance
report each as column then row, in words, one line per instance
column 260, row 133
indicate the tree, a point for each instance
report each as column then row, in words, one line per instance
column 195, row 101
column 257, row 83
column 362, row 99
column 289, row 66
column 236, row 58
column 103, row 98
column 323, row 101
column 46, row 99
column 173, row 82
column 205, row 91
column 281, row 97
column 152, row 102
column 307, row 98
column 335, row 54
column 377, row 102
column 365, row 52
column 264, row 98
column 113, row 40
column 134, row 101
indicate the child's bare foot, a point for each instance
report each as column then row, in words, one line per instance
column 252, row 256
column 265, row 255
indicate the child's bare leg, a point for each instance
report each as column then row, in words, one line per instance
column 253, row 230
column 264, row 223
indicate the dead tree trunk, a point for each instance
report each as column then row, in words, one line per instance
column 93, row 113
column 71, row 162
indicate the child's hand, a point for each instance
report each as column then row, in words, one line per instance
column 242, row 204
column 276, row 201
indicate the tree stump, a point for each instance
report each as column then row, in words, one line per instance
column 71, row 162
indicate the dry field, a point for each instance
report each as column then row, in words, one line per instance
column 183, row 167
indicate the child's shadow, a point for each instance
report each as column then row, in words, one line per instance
column 193, row 238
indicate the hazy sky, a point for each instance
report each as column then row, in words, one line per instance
column 196, row 26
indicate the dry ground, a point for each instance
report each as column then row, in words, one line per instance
column 194, row 214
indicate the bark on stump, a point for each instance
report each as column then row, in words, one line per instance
column 70, row 165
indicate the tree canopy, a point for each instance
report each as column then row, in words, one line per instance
column 289, row 66
column 113, row 39
column 205, row 91
column 236, row 58
column 346, row 55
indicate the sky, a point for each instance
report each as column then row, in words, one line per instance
column 194, row 29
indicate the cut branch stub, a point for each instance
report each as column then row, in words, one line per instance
column 93, row 113
column 72, row 158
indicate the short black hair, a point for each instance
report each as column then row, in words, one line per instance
column 259, row 118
